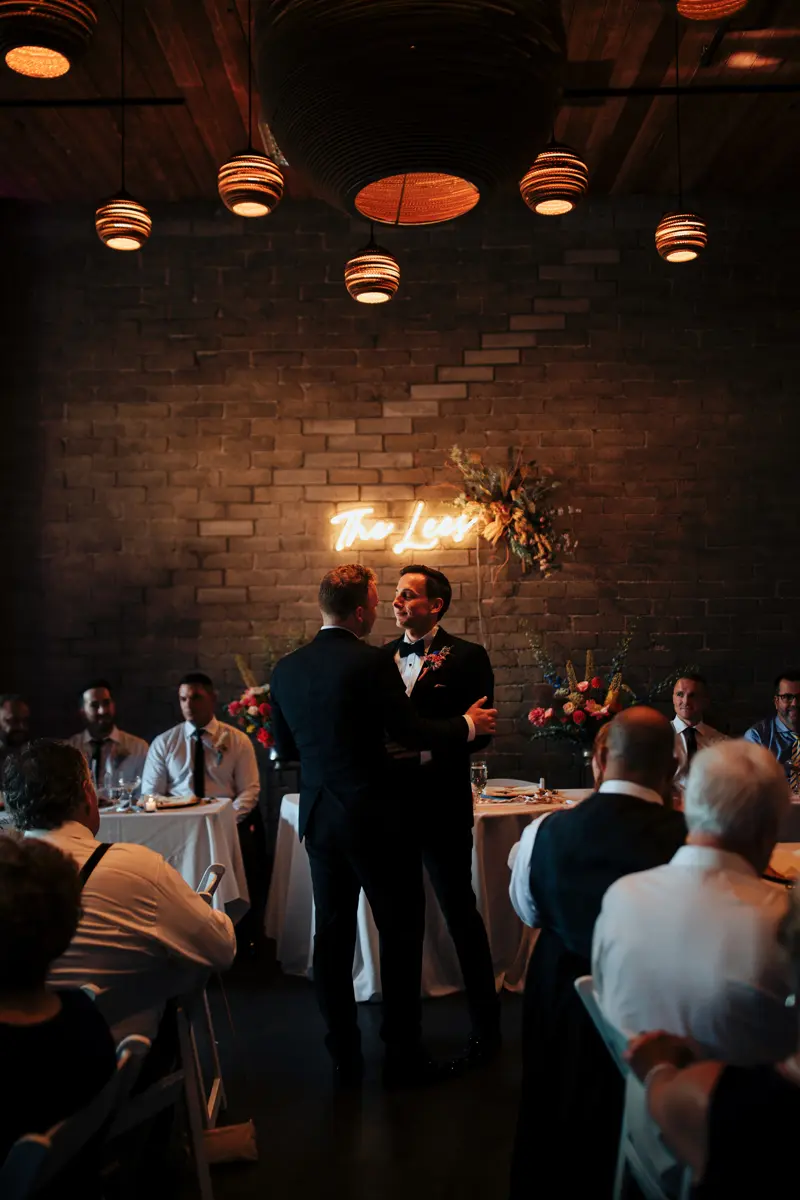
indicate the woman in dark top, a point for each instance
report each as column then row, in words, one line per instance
column 56, row 1052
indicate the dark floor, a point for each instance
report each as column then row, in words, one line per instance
column 447, row 1143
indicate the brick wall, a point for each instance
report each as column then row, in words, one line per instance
column 181, row 425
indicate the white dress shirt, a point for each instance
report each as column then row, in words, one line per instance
column 691, row 948
column 231, row 768
column 143, row 932
column 519, row 860
column 706, row 736
column 121, row 757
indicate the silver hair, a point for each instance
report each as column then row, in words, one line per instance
column 736, row 791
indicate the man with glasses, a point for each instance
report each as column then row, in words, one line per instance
column 781, row 733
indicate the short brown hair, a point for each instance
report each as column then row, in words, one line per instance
column 344, row 589
column 40, row 896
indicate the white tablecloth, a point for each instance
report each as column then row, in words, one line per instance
column 190, row 839
column 290, row 909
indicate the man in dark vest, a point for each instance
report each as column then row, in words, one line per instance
column 443, row 675
column 564, row 864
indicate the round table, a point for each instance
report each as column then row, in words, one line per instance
column 290, row 908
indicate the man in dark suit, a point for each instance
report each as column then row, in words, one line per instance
column 565, row 863
column 334, row 702
column 443, row 675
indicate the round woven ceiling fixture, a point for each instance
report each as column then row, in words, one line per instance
column 409, row 111
column 250, row 184
column 43, row 38
column 556, row 181
column 710, row 10
column 122, row 223
column 681, row 236
column 372, row 275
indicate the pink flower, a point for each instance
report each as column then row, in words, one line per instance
column 597, row 682
column 536, row 716
column 583, row 686
column 247, row 700
column 579, row 717
column 264, row 738
column 264, row 710
column 235, row 707
column 548, row 714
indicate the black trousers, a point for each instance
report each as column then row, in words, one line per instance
column 447, row 855
column 347, row 854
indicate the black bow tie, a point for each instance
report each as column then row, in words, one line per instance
column 407, row 648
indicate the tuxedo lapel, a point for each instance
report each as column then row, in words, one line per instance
column 429, row 677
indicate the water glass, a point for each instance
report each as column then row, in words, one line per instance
column 479, row 774
column 127, row 787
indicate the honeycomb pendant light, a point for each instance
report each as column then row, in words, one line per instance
column 556, row 181
column 122, row 223
column 250, row 184
column 409, row 112
column 680, row 235
column 710, row 10
column 372, row 275
column 43, row 38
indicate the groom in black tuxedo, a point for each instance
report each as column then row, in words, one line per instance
column 334, row 701
column 443, row 675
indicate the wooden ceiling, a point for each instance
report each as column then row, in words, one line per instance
column 197, row 50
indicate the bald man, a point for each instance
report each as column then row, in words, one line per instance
column 562, row 868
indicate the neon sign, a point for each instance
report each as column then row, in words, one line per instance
column 421, row 533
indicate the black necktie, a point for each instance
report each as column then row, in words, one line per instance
column 97, row 757
column 690, row 737
column 407, row 648
column 199, row 766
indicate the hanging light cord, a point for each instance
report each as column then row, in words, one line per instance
column 678, row 112
column 122, row 93
column 249, row 75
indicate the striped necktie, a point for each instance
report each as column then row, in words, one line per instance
column 794, row 772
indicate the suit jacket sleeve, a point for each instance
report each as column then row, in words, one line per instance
column 483, row 675
column 401, row 720
column 284, row 740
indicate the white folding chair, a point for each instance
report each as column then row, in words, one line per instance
column 37, row 1159
column 633, row 1162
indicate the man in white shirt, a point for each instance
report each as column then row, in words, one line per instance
column 690, row 699
column 206, row 757
column 144, row 935
column 691, row 947
column 113, row 756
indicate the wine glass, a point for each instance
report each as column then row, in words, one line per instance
column 127, row 787
column 479, row 774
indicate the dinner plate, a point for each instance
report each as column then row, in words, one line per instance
column 164, row 802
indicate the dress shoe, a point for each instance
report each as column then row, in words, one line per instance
column 348, row 1074
column 482, row 1048
column 417, row 1070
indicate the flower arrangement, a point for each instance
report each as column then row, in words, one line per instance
column 581, row 706
column 514, row 505
column 252, row 712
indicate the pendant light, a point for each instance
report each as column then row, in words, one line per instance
column 680, row 235
column 372, row 275
column 557, row 180
column 710, row 10
column 250, row 184
column 122, row 223
column 43, row 38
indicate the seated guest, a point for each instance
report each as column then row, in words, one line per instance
column 565, row 862
column 691, row 947
column 206, row 757
column 734, row 1126
column 780, row 733
column 56, row 1050
column 690, row 700
column 598, row 767
column 143, row 934
column 14, row 722
column 112, row 754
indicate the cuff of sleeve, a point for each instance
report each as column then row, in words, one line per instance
column 471, row 727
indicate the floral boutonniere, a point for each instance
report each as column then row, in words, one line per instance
column 433, row 660
column 221, row 744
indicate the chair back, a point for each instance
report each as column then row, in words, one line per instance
column 615, row 1042
column 37, row 1159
